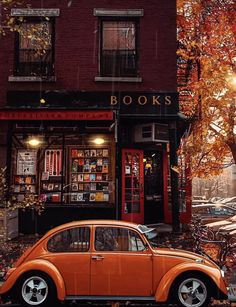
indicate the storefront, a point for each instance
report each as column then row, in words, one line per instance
column 150, row 132
column 92, row 155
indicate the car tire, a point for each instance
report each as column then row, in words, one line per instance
column 36, row 289
column 190, row 290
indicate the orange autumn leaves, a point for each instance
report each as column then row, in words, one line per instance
column 207, row 41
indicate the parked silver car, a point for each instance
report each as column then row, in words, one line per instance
column 215, row 226
column 228, row 228
column 213, row 212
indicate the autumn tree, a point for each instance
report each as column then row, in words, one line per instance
column 207, row 74
column 36, row 34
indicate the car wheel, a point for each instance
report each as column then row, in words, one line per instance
column 36, row 290
column 192, row 292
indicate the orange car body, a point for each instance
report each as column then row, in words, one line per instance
column 148, row 273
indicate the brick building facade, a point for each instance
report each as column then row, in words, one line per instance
column 101, row 106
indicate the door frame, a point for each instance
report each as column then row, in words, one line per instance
column 132, row 217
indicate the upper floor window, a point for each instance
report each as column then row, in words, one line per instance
column 119, row 48
column 34, row 48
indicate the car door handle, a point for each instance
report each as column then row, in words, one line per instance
column 98, row 257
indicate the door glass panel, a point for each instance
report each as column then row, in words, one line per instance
column 136, row 207
column 128, row 182
column 128, row 207
column 128, row 196
column 136, row 195
column 135, row 182
column 132, row 182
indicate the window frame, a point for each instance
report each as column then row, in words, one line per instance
column 51, row 64
column 136, row 21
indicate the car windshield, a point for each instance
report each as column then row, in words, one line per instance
column 150, row 234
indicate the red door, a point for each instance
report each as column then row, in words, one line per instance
column 132, row 186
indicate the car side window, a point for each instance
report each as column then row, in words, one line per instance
column 202, row 211
column 117, row 239
column 70, row 240
column 222, row 211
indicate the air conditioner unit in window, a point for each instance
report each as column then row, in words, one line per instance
column 151, row 132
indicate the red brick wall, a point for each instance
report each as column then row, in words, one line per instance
column 76, row 48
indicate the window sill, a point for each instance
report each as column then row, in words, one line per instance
column 32, row 78
column 118, row 79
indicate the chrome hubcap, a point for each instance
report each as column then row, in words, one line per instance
column 34, row 290
column 192, row 292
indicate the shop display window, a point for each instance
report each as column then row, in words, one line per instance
column 51, row 176
column 64, row 169
column 25, row 177
column 89, row 174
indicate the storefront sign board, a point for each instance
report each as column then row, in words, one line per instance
column 55, row 115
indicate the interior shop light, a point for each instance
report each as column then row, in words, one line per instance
column 34, row 141
column 98, row 141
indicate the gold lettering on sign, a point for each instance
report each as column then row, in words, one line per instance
column 113, row 100
column 129, row 98
column 167, row 100
column 140, row 98
column 155, row 100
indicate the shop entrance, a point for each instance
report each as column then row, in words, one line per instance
column 142, row 186
column 153, row 187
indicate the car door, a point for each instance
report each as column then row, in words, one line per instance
column 69, row 251
column 121, row 264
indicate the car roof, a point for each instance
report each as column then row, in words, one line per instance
column 90, row 223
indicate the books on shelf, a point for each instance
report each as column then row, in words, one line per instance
column 89, row 196
column 89, row 175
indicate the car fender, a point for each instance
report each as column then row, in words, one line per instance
column 36, row 265
column 164, row 286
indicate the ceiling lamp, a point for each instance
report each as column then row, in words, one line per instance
column 34, row 141
column 98, row 141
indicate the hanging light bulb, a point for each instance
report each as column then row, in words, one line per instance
column 34, row 141
column 98, row 141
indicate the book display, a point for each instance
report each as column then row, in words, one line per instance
column 24, row 180
column 89, row 175
column 51, row 176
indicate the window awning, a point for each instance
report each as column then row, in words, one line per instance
column 56, row 115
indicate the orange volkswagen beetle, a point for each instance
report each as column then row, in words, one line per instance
column 110, row 261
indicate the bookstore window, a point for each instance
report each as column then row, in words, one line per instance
column 64, row 168
column 119, row 48
column 34, row 48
